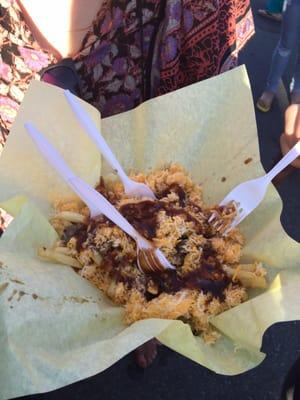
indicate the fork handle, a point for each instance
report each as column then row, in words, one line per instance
column 93, row 132
column 98, row 204
column 284, row 162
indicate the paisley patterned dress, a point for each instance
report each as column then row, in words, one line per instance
column 135, row 50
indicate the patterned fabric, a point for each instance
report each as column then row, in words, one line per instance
column 136, row 50
column 20, row 61
column 203, row 42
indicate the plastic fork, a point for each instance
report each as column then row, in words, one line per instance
column 131, row 188
column 248, row 195
column 149, row 258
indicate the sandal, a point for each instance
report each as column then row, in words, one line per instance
column 273, row 16
column 262, row 106
column 64, row 75
column 290, row 394
column 265, row 101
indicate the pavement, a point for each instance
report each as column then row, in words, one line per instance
column 175, row 377
column 257, row 55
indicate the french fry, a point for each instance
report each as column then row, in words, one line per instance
column 235, row 275
column 63, row 250
column 53, row 255
column 70, row 216
column 247, row 277
column 248, row 267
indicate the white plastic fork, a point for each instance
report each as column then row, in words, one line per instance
column 149, row 258
column 248, row 195
column 131, row 188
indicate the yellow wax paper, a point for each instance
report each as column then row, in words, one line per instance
column 55, row 327
column 23, row 169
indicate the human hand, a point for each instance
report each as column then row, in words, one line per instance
column 291, row 133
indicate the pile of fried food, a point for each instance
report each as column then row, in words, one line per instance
column 209, row 277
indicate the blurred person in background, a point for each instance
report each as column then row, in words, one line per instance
column 273, row 10
column 288, row 43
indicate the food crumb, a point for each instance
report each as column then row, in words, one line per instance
column 12, row 295
column 248, row 160
column 17, row 281
column 21, row 294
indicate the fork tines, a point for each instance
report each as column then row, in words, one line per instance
column 148, row 262
column 218, row 220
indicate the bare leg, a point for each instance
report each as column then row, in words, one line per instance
column 62, row 28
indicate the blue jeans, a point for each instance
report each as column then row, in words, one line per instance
column 288, row 42
column 274, row 6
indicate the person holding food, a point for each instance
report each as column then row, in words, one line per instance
column 115, row 55
column 119, row 54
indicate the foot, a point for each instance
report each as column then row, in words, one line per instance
column 290, row 394
column 146, row 353
column 273, row 16
column 265, row 101
column 295, row 98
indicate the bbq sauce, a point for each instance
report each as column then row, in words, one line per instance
column 208, row 251
column 176, row 189
column 78, row 231
column 208, row 277
column 81, row 237
column 143, row 216
column 115, row 265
